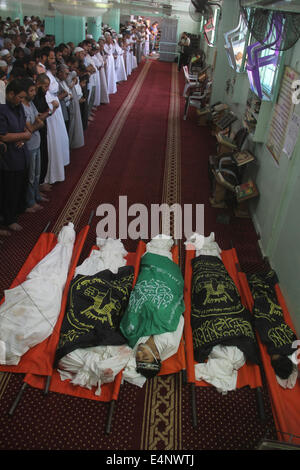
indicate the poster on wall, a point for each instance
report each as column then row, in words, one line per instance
column 278, row 137
column 292, row 135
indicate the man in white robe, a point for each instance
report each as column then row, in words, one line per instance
column 97, row 66
column 104, row 96
column 109, row 49
column 121, row 75
column 147, row 42
column 128, row 60
column 57, row 136
column 76, row 128
column 88, row 62
column 133, row 41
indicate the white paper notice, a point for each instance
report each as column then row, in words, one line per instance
column 292, row 135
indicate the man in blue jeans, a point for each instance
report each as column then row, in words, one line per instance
column 13, row 164
column 34, row 122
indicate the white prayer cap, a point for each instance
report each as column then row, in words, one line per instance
column 78, row 49
column 106, row 33
column 4, row 52
column 3, row 63
column 120, row 35
column 89, row 36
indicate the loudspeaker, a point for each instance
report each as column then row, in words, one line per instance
column 167, row 9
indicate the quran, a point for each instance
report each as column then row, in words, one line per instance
column 226, row 120
column 246, row 191
column 242, row 158
column 224, row 140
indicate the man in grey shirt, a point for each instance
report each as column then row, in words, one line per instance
column 34, row 122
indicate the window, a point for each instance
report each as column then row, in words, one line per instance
column 210, row 27
column 263, row 63
column 268, row 74
column 236, row 42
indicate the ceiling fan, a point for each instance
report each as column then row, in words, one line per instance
column 199, row 9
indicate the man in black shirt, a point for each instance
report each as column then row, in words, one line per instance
column 13, row 165
column 42, row 83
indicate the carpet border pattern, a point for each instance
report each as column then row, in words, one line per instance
column 79, row 198
column 162, row 409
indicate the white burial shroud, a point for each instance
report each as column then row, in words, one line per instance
column 30, row 311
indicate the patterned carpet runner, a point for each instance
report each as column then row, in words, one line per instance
column 139, row 147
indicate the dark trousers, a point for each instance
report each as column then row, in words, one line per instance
column 13, row 186
column 44, row 154
column 183, row 60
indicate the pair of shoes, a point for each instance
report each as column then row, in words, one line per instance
column 4, row 233
column 34, row 208
column 217, row 205
column 43, row 198
column 45, row 187
column 15, row 227
column 242, row 214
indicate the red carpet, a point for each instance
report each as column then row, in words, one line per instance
column 157, row 417
column 15, row 249
column 136, row 165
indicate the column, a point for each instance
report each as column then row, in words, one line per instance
column 94, row 27
column 112, row 18
column 73, row 29
column 66, row 28
column 50, row 25
column 14, row 10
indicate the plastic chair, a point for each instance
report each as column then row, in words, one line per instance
column 191, row 80
column 196, row 99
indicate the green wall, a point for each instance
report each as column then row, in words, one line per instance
column 66, row 28
column 276, row 213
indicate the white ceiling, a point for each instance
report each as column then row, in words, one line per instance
column 179, row 7
column 284, row 5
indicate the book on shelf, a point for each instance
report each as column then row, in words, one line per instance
column 220, row 107
column 226, row 121
column 203, row 111
column 225, row 140
column 243, row 157
column 246, row 191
